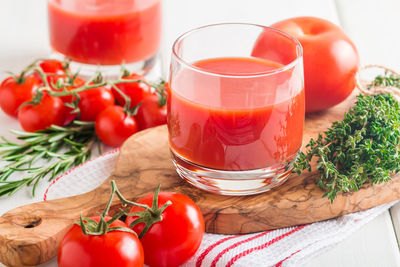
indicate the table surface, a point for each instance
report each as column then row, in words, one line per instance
column 372, row 25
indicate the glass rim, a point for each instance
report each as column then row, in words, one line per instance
column 285, row 67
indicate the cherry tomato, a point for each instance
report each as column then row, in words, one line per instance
column 114, row 126
column 174, row 239
column 69, row 116
column 150, row 113
column 136, row 91
column 14, row 92
column 115, row 248
column 50, row 110
column 330, row 58
column 94, row 101
column 53, row 67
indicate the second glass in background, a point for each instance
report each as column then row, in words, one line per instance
column 106, row 33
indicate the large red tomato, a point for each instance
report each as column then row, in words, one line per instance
column 115, row 248
column 174, row 239
column 330, row 58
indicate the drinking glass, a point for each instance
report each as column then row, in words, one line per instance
column 236, row 107
column 102, row 34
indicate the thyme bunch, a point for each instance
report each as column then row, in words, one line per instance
column 363, row 147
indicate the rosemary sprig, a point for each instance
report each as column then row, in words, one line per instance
column 61, row 147
column 364, row 147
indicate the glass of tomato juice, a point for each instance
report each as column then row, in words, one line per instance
column 106, row 33
column 235, row 120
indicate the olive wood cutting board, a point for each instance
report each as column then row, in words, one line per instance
column 29, row 235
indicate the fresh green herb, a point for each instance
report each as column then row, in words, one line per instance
column 61, row 147
column 364, row 147
column 386, row 80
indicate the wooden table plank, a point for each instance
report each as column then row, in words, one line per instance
column 367, row 247
column 395, row 214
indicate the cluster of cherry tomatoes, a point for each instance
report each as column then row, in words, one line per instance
column 46, row 94
column 169, row 235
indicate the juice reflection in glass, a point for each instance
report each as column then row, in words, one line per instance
column 235, row 121
column 105, row 32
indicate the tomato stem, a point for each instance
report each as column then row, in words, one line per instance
column 124, row 200
column 127, row 99
column 91, row 227
column 124, row 71
column 149, row 216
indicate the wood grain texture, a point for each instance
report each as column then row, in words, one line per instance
column 144, row 162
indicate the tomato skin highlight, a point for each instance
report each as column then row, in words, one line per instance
column 114, row 126
column 115, row 248
column 176, row 238
column 13, row 95
column 330, row 59
column 150, row 114
column 136, row 91
column 94, row 101
column 50, row 110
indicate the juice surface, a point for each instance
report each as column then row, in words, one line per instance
column 105, row 32
column 243, row 123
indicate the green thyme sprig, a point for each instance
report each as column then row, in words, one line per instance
column 386, row 80
column 363, row 147
column 61, row 147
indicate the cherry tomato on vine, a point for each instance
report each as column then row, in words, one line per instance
column 15, row 91
column 114, row 248
column 137, row 91
column 113, row 126
column 69, row 114
column 77, row 82
column 50, row 110
column 330, row 58
column 53, row 67
column 151, row 113
column 94, row 101
column 174, row 239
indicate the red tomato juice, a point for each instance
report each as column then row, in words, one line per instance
column 105, row 32
column 236, row 118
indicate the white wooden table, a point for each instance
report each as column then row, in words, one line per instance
column 372, row 24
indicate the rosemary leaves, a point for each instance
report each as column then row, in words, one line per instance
column 60, row 147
